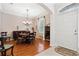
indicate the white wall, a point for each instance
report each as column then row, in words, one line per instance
column 47, row 20
column 0, row 21
column 78, row 29
column 52, row 25
column 9, row 22
column 0, row 17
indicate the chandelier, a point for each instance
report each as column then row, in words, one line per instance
column 27, row 22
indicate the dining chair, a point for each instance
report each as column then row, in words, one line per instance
column 5, row 47
column 31, row 38
column 4, row 34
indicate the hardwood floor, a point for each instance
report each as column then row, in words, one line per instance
column 30, row 49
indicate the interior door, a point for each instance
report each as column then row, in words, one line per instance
column 68, row 29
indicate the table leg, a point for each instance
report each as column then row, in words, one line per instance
column 12, row 51
column 9, row 39
column 4, row 53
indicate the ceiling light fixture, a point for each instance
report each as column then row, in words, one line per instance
column 27, row 21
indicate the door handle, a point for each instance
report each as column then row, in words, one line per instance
column 75, row 33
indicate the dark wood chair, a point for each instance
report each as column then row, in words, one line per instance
column 34, row 35
column 4, row 34
column 31, row 37
column 5, row 47
column 19, row 38
column 15, row 35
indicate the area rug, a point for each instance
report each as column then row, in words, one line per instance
column 65, row 51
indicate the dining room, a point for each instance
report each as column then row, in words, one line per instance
column 23, row 29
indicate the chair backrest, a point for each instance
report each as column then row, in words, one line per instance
column 35, row 33
column 3, row 34
column 1, row 43
column 32, row 35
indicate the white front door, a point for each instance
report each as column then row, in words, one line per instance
column 68, row 29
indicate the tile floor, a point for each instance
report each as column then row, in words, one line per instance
column 48, row 52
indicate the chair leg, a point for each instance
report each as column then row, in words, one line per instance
column 12, row 51
column 2, row 53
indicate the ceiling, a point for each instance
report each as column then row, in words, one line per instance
column 20, row 9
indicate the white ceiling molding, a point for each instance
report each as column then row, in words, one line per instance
column 20, row 9
column 44, row 6
column 73, row 5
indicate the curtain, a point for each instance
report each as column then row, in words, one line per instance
column 41, row 26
